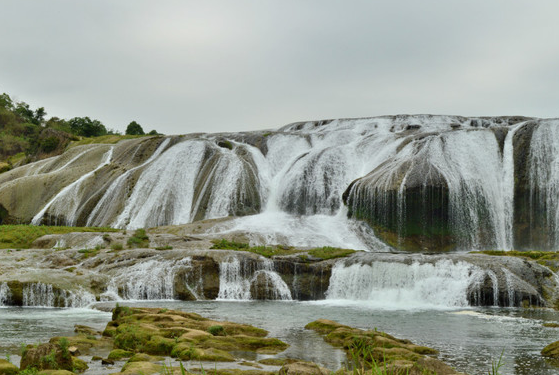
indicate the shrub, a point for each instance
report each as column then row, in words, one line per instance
column 217, row 330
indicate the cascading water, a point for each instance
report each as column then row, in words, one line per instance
column 240, row 278
column 544, row 181
column 5, row 294
column 67, row 202
column 44, row 295
column 389, row 285
column 420, row 284
column 108, row 204
column 445, row 177
column 153, row 279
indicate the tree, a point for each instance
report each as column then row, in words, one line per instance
column 134, row 129
column 87, row 127
column 39, row 116
column 6, row 102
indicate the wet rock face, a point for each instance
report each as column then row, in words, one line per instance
column 429, row 197
column 306, row 280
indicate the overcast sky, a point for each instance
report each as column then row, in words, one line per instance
column 190, row 66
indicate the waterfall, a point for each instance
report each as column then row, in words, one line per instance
column 5, row 294
column 544, row 180
column 443, row 284
column 153, row 279
column 67, row 202
column 241, row 279
column 108, row 204
column 234, row 279
column 508, row 189
column 440, row 182
column 45, row 295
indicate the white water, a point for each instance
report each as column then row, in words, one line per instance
column 44, row 295
column 544, row 176
column 5, row 294
column 109, row 203
column 393, row 285
column 148, row 280
column 67, row 202
column 236, row 277
column 297, row 175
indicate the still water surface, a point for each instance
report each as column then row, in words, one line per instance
column 467, row 339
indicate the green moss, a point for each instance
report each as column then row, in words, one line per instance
column 7, row 368
column 266, row 251
column 158, row 345
column 105, row 139
column 117, row 354
column 217, row 330
column 22, row 236
column 139, row 239
column 328, row 252
column 79, row 365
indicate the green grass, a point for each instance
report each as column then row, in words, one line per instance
column 266, row 251
column 22, row 236
column 107, row 139
column 139, row 239
column 325, row 252
column 328, row 252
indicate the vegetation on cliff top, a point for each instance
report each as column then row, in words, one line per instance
column 325, row 252
column 22, row 236
column 26, row 135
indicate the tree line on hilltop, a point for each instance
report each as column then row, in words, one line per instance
column 27, row 135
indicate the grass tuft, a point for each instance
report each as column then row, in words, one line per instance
column 22, row 236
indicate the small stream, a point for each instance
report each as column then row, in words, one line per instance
column 468, row 339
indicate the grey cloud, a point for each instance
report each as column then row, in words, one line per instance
column 187, row 66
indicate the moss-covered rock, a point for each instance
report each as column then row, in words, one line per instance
column 79, row 365
column 185, row 335
column 366, row 348
column 303, row 368
column 84, row 343
column 55, row 372
column 7, row 368
column 552, row 350
column 145, row 368
column 46, row 357
column 118, row 354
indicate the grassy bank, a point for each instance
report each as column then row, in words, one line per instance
column 325, row 252
column 22, row 236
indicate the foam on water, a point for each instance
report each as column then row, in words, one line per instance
column 393, row 285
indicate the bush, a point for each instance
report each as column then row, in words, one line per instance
column 217, row 330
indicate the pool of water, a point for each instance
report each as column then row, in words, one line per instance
column 467, row 339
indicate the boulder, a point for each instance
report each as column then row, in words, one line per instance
column 46, row 357
column 7, row 368
column 552, row 350
column 303, row 368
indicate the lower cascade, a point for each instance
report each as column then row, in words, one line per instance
column 5, row 294
column 243, row 280
column 153, row 279
column 404, row 282
column 391, row 284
